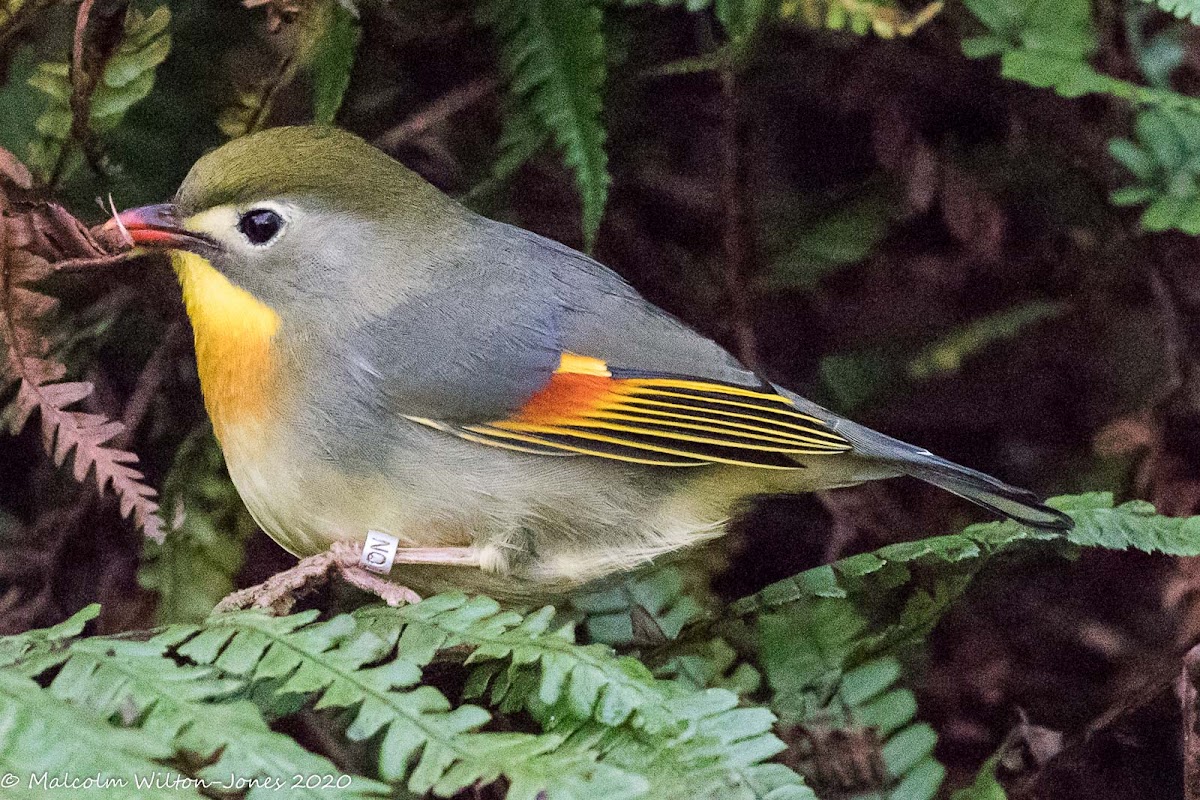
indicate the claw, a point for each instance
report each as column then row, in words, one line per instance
column 278, row 594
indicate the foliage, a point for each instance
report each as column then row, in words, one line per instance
column 1049, row 45
column 26, row 240
column 1166, row 162
column 985, row 786
column 203, row 695
column 332, row 62
column 828, row 640
column 197, row 701
column 195, row 565
column 553, row 54
column 651, row 605
column 79, row 110
column 1184, row 9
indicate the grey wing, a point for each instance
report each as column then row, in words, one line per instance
column 609, row 320
column 491, row 354
column 475, row 347
column 604, row 317
column 654, row 391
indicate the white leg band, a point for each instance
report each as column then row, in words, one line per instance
column 379, row 553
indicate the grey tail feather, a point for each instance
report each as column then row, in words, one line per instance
column 984, row 490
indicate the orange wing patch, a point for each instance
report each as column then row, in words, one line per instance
column 577, row 387
column 586, row 409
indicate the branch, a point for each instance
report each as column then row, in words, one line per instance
column 89, row 56
column 452, row 102
column 737, row 236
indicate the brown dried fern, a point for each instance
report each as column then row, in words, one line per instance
column 29, row 239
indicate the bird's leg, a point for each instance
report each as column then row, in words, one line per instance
column 449, row 556
column 280, row 592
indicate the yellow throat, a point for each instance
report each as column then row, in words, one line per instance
column 233, row 332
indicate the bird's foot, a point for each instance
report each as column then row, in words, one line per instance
column 278, row 594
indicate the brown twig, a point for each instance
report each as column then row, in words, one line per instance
column 437, row 112
column 737, row 236
column 88, row 60
column 149, row 382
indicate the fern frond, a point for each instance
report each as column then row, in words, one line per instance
column 1183, row 9
column 1047, row 45
column 424, row 742
column 687, row 743
column 645, row 607
column 40, row 649
column 808, row 652
column 718, row 754
column 553, row 53
column 43, row 738
column 712, row 664
column 1132, row 525
column 127, row 77
column 26, row 362
column 186, row 706
column 333, row 59
column 594, row 683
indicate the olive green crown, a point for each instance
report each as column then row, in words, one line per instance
column 329, row 165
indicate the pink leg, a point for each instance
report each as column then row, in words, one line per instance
column 280, row 592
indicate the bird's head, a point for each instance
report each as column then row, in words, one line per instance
column 299, row 218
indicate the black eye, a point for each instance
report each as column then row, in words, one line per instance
column 260, row 225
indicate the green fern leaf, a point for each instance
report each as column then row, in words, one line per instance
column 685, row 743
column 712, row 664
column 1130, row 525
column 128, row 77
column 592, row 682
column 425, row 742
column 553, row 53
column 985, row 786
column 40, row 649
column 182, row 705
column 650, row 605
column 1165, row 160
column 44, row 739
column 718, row 754
column 807, row 653
column 1184, row 9
column 332, row 59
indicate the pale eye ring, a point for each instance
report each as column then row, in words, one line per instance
column 260, row 225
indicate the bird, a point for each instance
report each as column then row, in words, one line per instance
column 374, row 356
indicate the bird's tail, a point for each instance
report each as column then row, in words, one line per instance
column 906, row 459
column 984, row 490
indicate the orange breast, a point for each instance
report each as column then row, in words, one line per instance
column 234, row 353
